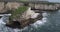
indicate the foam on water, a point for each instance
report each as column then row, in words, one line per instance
column 16, row 30
column 4, row 18
column 58, row 10
column 20, row 30
column 40, row 22
column 44, row 14
column 2, row 22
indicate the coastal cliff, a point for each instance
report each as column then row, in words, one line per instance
column 6, row 7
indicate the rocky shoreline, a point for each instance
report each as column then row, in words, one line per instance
column 28, row 17
column 19, row 19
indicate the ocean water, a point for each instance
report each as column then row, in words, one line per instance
column 49, row 23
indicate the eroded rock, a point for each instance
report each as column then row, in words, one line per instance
column 13, row 5
column 27, row 18
column 5, row 7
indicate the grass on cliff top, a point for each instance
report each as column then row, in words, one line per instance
column 18, row 11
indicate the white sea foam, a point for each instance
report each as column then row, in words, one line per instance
column 20, row 30
column 4, row 18
column 58, row 10
column 44, row 14
column 40, row 22
column 1, row 21
column 16, row 30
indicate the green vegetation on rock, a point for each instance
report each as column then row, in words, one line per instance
column 17, row 12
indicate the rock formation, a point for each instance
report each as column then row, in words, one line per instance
column 13, row 5
column 5, row 7
column 27, row 18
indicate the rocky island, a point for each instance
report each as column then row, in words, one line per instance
column 24, row 14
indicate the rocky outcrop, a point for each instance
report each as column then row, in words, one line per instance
column 29, row 14
column 27, row 18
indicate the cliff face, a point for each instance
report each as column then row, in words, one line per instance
column 1, row 6
column 4, row 7
column 45, row 6
column 13, row 5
